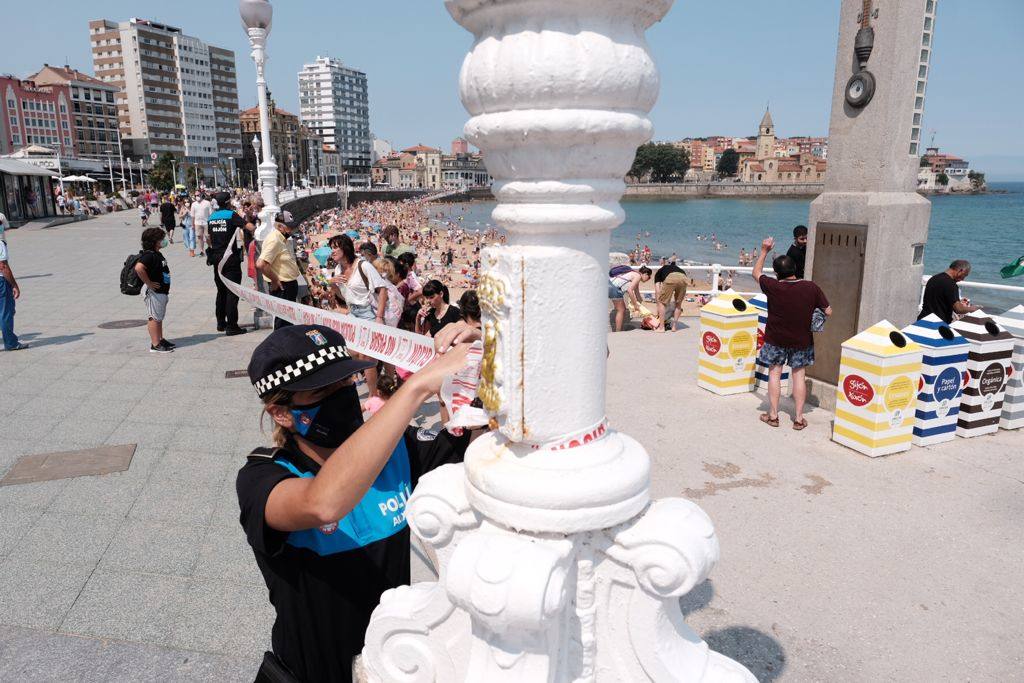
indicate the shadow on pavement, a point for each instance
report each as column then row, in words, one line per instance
column 754, row 649
column 196, row 339
column 37, row 341
column 29, row 277
column 757, row 651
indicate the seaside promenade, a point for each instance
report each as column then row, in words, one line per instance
column 834, row 567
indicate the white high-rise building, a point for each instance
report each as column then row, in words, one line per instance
column 333, row 103
column 176, row 93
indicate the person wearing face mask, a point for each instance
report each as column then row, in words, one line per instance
column 223, row 228
column 277, row 263
column 153, row 271
column 324, row 511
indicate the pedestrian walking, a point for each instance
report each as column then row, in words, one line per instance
column 9, row 293
column 168, row 217
column 152, row 269
column 323, row 510
column 787, row 333
column 188, row 233
column 224, row 226
column 201, row 210
column 277, row 263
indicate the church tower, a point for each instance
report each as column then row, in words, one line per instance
column 766, row 137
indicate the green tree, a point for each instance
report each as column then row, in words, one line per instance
column 189, row 171
column 977, row 180
column 942, row 179
column 661, row 161
column 161, row 177
column 728, row 163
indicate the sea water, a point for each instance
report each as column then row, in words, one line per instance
column 986, row 229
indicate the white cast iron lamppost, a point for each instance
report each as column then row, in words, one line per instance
column 554, row 564
column 257, row 16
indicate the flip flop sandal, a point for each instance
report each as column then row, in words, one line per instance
column 770, row 421
column 799, row 425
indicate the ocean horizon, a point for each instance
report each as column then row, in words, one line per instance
column 986, row 229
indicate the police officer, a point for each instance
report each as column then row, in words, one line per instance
column 324, row 511
column 223, row 224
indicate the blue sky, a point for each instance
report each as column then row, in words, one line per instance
column 721, row 61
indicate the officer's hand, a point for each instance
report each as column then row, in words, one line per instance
column 428, row 380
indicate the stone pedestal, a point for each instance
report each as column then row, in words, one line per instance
column 872, row 178
column 554, row 565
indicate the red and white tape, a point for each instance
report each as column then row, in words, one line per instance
column 400, row 348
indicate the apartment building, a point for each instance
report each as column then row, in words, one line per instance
column 33, row 114
column 92, row 105
column 176, row 93
column 333, row 103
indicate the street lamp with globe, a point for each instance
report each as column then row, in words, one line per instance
column 257, row 16
column 256, row 153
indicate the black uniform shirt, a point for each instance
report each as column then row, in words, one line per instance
column 324, row 583
column 221, row 231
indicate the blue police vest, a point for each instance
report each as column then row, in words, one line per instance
column 380, row 513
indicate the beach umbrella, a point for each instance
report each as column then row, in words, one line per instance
column 1014, row 269
column 322, row 254
column 179, row 186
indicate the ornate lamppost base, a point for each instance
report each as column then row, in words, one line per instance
column 600, row 605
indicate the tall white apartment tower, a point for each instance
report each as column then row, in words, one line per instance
column 333, row 103
column 177, row 93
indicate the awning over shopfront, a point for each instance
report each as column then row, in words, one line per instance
column 12, row 167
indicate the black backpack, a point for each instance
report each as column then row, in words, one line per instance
column 131, row 283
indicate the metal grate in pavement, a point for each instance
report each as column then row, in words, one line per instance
column 121, row 324
column 235, row 374
column 67, row 464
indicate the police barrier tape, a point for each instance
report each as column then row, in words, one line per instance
column 401, row 348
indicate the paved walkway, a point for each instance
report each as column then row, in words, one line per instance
column 834, row 566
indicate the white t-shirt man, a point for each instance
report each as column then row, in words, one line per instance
column 201, row 211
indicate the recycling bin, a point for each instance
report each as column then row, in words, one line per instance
column 943, row 365
column 879, row 372
column 1013, row 403
column 760, row 302
column 988, row 362
column 728, row 345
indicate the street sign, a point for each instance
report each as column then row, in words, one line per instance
column 152, row 156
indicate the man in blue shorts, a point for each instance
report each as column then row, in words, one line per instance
column 787, row 333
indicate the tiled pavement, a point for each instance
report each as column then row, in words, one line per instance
column 834, row 566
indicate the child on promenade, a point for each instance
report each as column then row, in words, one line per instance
column 387, row 385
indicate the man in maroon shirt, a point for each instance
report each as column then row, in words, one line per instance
column 787, row 334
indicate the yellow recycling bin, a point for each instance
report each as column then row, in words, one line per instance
column 728, row 345
column 989, row 364
column 879, row 374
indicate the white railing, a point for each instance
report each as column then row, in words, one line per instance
column 716, row 270
column 291, row 195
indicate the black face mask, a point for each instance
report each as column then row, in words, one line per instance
column 331, row 420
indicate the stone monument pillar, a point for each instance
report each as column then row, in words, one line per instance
column 869, row 227
column 554, row 565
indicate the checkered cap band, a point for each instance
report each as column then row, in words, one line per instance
column 301, row 368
